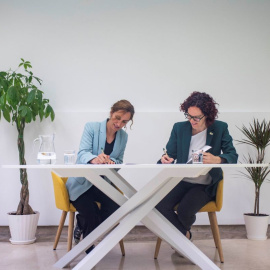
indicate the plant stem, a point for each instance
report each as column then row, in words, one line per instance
column 23, row 208
column 257, row 201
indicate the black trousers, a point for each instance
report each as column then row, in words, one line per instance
column 191, row 198
column 89, row 215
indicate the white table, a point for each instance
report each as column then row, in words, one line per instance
column 136, row 206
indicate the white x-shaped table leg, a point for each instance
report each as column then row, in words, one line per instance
column 137, row 208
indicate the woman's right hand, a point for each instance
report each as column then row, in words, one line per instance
column 165, row 159
column 101, row 159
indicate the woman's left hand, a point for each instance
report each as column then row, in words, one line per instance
column 110, row 162
column 210, row 159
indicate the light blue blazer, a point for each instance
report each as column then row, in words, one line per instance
column 93, row 139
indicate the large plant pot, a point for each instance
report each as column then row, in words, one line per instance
column 256, row 226
column 23, row 228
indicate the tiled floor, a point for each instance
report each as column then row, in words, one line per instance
column 239, row 254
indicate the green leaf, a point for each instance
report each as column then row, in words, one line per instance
column 48, row 111
column 28, row 117
column 23, row 111
column 18, row 82
column 31, row 96
column 4, row 84
column 9, row 108
column 23, row 92
column 6, row 114
column 3, row 100
column 3, row 74
column 39, row 97
column 19, row 75
column 38, row 79
column 41, row 114
column 22, row 59
column 52, row 114
column 13, row 95
column 35, row 108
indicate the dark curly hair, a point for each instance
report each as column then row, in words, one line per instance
column 205, row 103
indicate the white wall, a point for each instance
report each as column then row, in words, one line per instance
column 154, row 53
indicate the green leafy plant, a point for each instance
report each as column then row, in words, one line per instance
column 21, row 102
column 258, row 136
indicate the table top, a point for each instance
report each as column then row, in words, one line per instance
column 132, row 165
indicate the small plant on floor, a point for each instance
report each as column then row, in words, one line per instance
column 256, row 135
column 21, row 102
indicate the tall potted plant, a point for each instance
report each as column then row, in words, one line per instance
column 21, row 102
column 256, row 135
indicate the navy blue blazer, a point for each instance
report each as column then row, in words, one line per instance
column 218, row 138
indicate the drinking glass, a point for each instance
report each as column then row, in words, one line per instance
column 69, row 157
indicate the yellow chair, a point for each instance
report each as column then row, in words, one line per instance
column 62, row 202
column 211, row 208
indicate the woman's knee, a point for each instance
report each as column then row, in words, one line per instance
column 160, row 207
column 186, row 218
column 164, row 209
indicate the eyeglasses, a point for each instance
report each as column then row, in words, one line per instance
column 195, row 118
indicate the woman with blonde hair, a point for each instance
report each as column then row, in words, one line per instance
column 101, row 143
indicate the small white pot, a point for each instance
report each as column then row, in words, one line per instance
column 23, row 228
column 256, row 226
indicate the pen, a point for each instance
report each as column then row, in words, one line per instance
column 102, row 151
column 165, row 151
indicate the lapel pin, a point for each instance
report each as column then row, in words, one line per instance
column 211, row 133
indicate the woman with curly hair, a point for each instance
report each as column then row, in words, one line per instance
column 199, row 130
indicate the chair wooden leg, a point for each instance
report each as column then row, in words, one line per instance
column 157, row 247
column 70, row 229
column 212, row 224
column 59, row 230
column 216, row 235
column 121, row 243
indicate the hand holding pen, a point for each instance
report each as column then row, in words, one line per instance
column 102, row 158
column 165, row 159
column 106, row 158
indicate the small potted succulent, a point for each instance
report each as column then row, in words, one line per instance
column 21, row 102
column 257, row 135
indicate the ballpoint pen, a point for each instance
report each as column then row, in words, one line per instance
column 102, row 151
column 165, row 151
